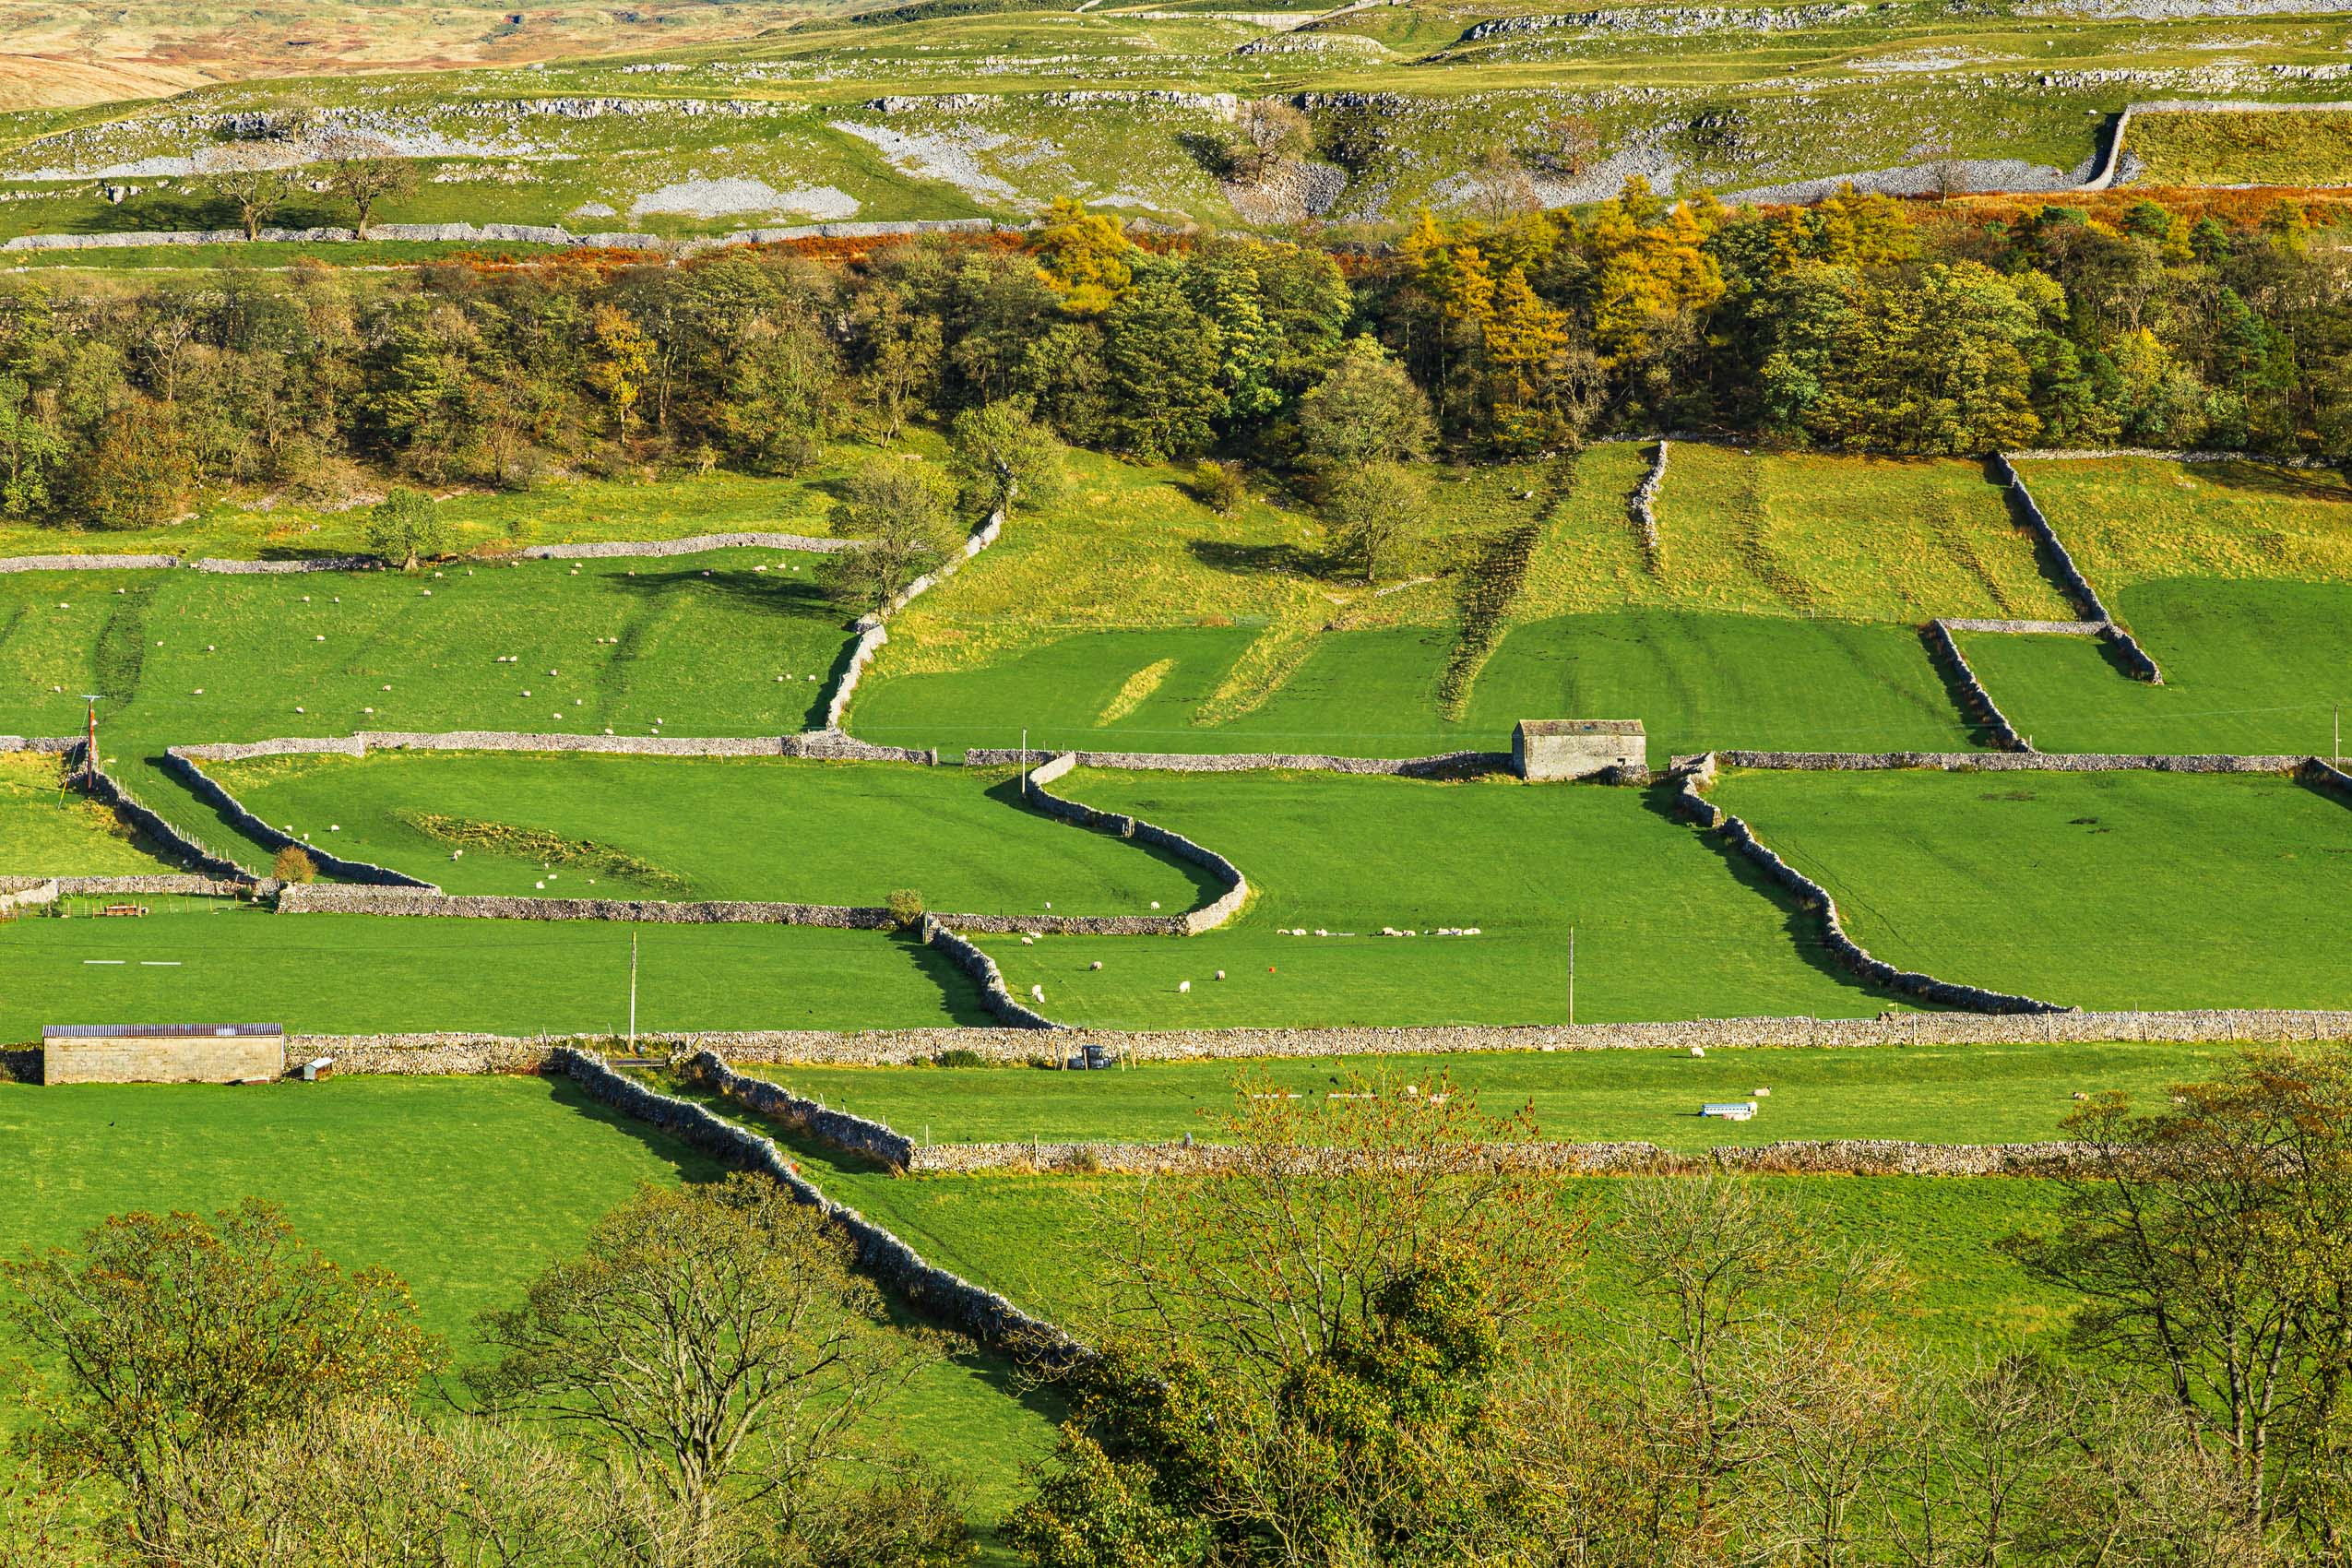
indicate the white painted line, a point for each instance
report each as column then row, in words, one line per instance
column 159, row 963
column 101, row 960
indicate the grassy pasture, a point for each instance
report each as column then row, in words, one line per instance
column 45, row 831
column 569, row 511
column 1035, row 1239
column 808, row 832
column 1926, row 1094
column 2130, row 520
column 2248, row 666
column 183, row 656
column 1788, row 588
column 2227, row 148
column 2102, row 890
column 464, row 1187
column 359, row 974
column 1666, row 926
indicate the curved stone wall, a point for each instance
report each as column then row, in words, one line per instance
column 950, row 1298
column 995, row 994
column 1208, row 917
column 870, row 632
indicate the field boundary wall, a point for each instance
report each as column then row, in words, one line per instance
column 996, row 996
column 1643, row 506
column 597, row 550
column 2072, row 581
column 202, row 786
column 1975, row 703
column 1446, row 765
column 851, row 1135
column 1834, row 1156
column 1210, row 916
column 870, row 628
column 463, row 1053
column 506, row 234
column 946, row 1297
column 1992, row 762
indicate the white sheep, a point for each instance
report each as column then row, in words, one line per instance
column 1220, row 974
column 1184, row 988
column 1155, row 903
column 1095, row 965
column 1037, row 993
column 1698, row 1050
column 1026, row 942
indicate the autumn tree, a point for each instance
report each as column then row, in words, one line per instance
column 256, row 180
column 1303, row 1347
column 623, row 354
column 901, row 513
column 2210, row 1243
column 1083, row 257
column 159, row 1334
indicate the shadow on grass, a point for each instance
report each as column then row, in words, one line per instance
column 1207, row 888
column 960, row 990
column 1803, row 925
column 1980, row 734
column 797, row 596
column 2257, row 478
column 1264, row 560
column 691, row 1163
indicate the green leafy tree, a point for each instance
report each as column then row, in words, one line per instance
column 1161, row 359
column 1366, row 410
column 31, row 451
column 406, row 528
column 136, row 474
column 902, row 515
column 998, row 454
column 1376, row 511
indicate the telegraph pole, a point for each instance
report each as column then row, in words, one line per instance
column 1025, row 762
column 1572, row 977
column 633, row 994
column 90, row 744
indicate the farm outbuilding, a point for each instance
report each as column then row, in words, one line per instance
column 1547, row 749
column 161, row 1053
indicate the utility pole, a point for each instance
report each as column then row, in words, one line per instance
column 1025, row 762
column 1572, row 977
column 633, row 994
column 2339, row 734
column 90, row 744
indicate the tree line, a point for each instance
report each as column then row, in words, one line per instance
column 1362, row 1342
column 1858, row 323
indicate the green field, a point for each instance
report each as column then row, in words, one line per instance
column 1923, row 1094
column 45, row 831
column 1666, row 926
column 2220, row 147
column 1783, row 611
column 2250, row 666
column 511, row 1171
column 1038, row 1240
column 362, row 974
column 2119, row 890
column 570, row 511
column 701, row 828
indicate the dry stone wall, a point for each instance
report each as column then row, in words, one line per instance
column 1446, row 765
column 1016, row 1045
column 2326, row 778
column 1858, row 958
column 201, row 786
column 182, row 845
column 501, row 233
column 995, row 994
column 819, row 745
column 2070, row 577
column 1644, row 506
column 694, row 544
column 2002, row 762
column 1800, row 1158
column 1975, row 703
column 599, row 549
column 946, row 1297
column 1193, row 922
column 835, row 1129
column 870, row 632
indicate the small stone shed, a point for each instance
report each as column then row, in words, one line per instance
column 1545, row 749
column 161, row 1053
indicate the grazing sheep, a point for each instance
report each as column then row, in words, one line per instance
column 1095, row 965
column 1698, row 1050
column 1037, row 993
column 1220, row 974
column 1184, row 988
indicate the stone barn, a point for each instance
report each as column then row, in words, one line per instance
column 161, row 1053
column 1547, row 749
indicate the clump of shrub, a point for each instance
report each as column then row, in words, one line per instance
column 295, row 864
column 1219, row 486
column 906, row 906
column 959, row 1056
